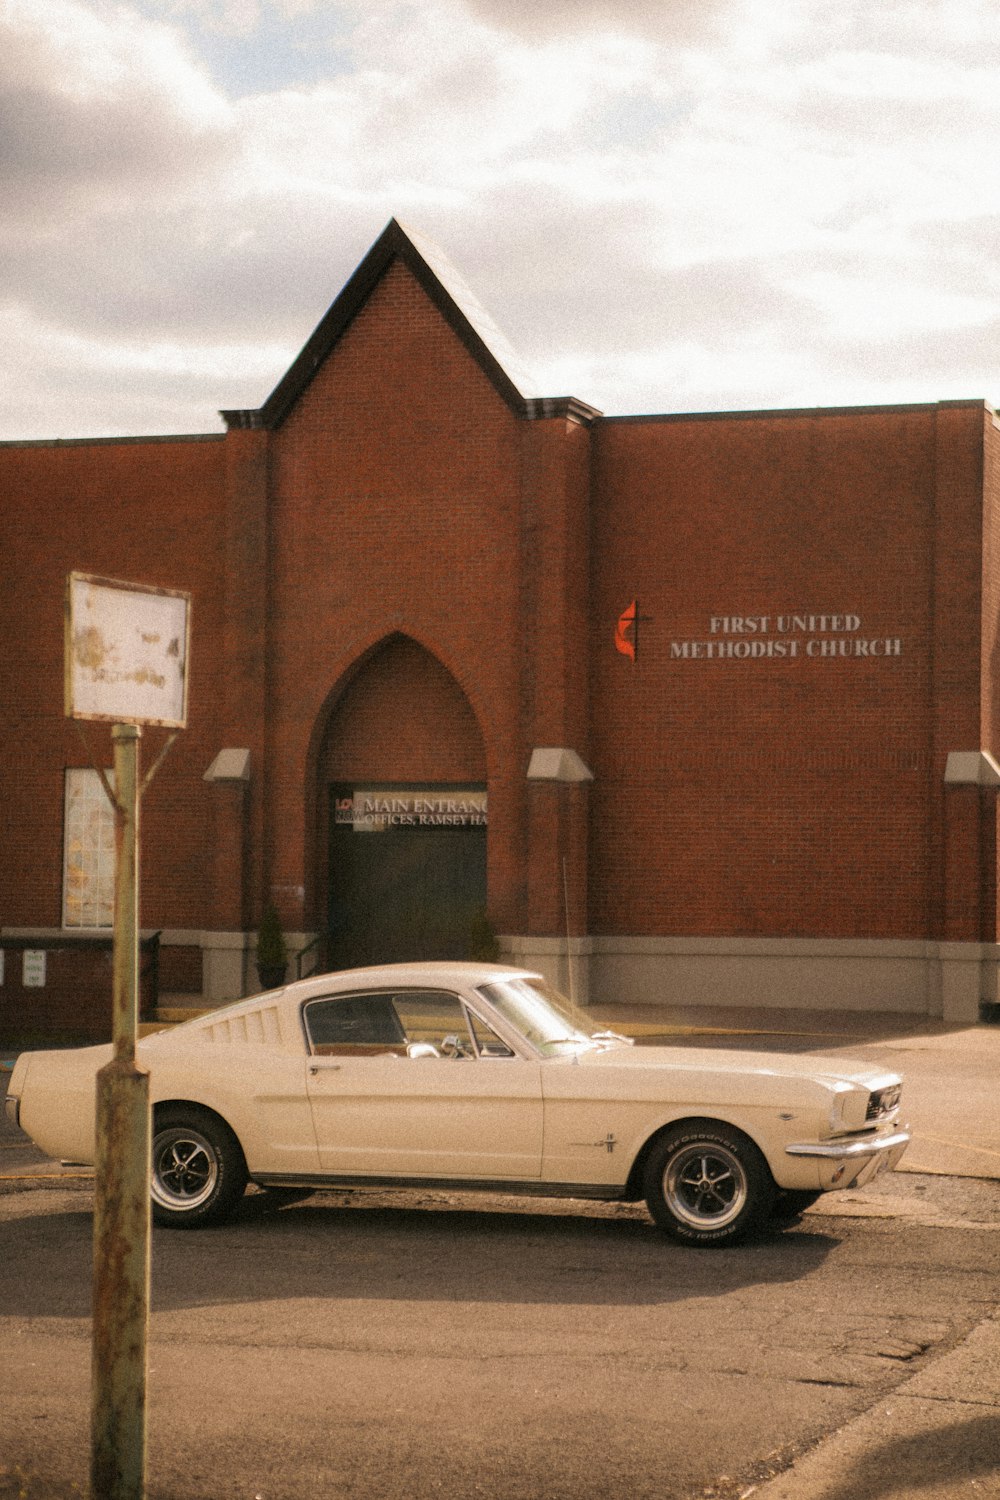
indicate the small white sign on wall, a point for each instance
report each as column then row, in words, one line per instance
column 33, row 970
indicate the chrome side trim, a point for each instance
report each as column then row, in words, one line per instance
column 12, row 1109
column 849, row 1150
column 511, row 1187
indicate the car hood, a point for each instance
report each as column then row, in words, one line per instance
column 831, row 1070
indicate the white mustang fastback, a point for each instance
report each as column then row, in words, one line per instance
column 472, row 1076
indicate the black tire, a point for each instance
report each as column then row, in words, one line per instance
column 792, row 1202
column 198, row 1172
column 707, row 1184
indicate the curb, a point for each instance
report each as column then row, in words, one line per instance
column 936, row 1431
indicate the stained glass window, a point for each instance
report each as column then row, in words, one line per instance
column 89, row 845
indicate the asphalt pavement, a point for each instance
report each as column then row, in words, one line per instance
column 938, row 1435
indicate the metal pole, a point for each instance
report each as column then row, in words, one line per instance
column 569, row 941
column 121, row 1182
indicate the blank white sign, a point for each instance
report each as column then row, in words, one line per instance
column 126, row 652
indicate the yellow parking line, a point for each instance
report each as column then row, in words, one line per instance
column 941, row 1140
column 46, row 1176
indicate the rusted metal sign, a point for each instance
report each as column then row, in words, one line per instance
column 126, row 652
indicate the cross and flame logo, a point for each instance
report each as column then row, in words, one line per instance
column 627, row 630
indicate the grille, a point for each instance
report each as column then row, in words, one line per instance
column 882, row 1102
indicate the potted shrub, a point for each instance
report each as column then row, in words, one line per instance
column 272, row 953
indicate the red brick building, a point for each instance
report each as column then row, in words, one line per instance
column 709, row 703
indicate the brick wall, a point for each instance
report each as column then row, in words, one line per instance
column 73, row 1005
column 395, row 509
column 780, row 795
column 146, row 512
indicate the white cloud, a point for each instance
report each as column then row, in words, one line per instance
column 669, row 20
column 97, row 107
column 723, row 204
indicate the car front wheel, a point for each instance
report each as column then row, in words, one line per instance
column 198, row 1169
column 707, row 1184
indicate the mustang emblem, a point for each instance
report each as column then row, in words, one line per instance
column 609, row 1143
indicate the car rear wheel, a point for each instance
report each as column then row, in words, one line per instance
column 707, row 1184
column 198, row 1169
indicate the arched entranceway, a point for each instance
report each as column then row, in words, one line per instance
column 402, row 799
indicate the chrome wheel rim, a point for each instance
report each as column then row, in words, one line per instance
column 185, row 1169
column 705, row 1185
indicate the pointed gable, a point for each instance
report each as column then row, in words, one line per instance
column 449, row 293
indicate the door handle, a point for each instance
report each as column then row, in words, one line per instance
column 315, row 1068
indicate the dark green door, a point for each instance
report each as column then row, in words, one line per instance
column 407, row 873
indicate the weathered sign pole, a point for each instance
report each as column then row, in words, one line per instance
column 126, row 662
column 121, row 1181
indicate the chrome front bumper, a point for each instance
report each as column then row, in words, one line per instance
column 852, row 1163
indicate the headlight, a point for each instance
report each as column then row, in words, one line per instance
column 844, row 1096
column 849, row 1107
column 854, row 1107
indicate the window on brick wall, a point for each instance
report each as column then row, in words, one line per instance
column 89, row 851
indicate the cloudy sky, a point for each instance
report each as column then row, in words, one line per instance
column 667, row 205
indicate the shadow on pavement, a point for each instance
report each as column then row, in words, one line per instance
column 353, row 1250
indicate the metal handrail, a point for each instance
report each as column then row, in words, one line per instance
column 318, row 944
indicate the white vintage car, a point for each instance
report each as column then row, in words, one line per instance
column 472, row 1076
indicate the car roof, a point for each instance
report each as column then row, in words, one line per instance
column 460, row 974
column 449, row 975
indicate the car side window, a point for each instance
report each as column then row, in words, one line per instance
column 435, row 1024
column 488, row 1044
column 403, row 1023
column 354, row 1026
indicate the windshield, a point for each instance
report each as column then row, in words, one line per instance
column 546, row 1019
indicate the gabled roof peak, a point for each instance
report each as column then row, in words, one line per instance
column 494, row 341
column 456, row 302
